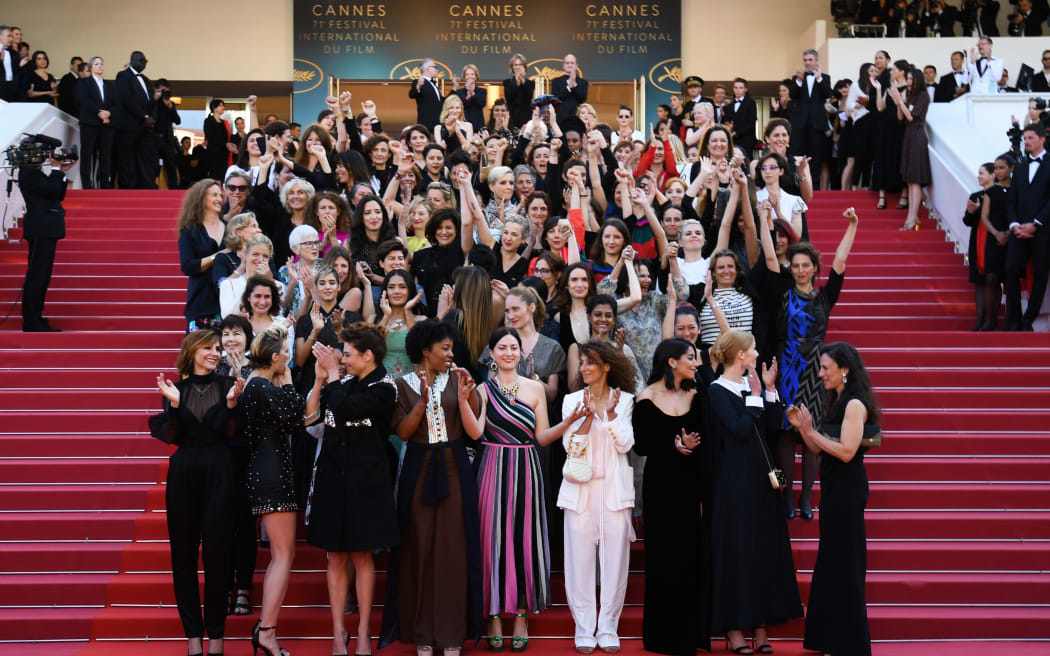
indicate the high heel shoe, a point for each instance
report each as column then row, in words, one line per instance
column 909, row 225
column 744, row 649
column 805, row 508
column 902, row 205
column 495, row 641
column 518, row 644
column 347, row 643
column 257, row 644
column 882, row 203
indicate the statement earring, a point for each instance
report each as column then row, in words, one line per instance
column 843, row 377
column 492, row 366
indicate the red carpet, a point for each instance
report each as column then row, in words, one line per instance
column 958, row 521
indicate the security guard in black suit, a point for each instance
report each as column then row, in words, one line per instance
column 43, row 226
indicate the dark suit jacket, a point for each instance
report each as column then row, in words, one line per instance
column 945, row 88
column 67, row 94
column 743, row 123
column 519, row 100
column 1039, row 83
column 570, row 99
column 1029, row 201
column 43, row 195
column 90, row 103
column 9, row 90
column 945, row 20
column 131, row 105
column 989, row 12
column 472, row 107
column 806, row 109
column 1030, row 26
column 428, row 104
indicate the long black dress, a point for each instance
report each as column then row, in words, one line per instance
column 353, row 501
column 677, row 537
column 837, row 617
column 271, row 416
column 992, row 259
column 754, row 572
column 887, row 135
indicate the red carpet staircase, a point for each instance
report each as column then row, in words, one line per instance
column 958, row 522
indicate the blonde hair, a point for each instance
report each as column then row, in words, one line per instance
column 518, row 57
column 589, row 108
column 233, row 241
column 267, row 344
column 477, row 73
column 259, row 239
column 691, row 222
column 529, row 296
column 730, row 344
column 453, row 99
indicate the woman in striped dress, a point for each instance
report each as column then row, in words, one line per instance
column 514, row 551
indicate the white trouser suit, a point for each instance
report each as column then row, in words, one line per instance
column 598, row 523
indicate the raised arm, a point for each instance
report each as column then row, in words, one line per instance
column 842, row 252
column 769, row 249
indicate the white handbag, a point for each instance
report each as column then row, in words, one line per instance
column 576, row 468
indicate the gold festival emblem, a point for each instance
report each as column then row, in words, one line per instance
column 539, row 69
column 667, row 75
column 307, row 74
column 411, row 69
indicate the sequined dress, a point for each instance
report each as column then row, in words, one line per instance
column 271, row 416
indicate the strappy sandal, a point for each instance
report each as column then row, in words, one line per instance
column 243, row 607
column 495, row 641
column 519, row 644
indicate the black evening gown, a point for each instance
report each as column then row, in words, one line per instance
column 837, row 616
column 272, row 415
column 353, row 499
column 888, row 137
column 677, row 537
column 754, row 571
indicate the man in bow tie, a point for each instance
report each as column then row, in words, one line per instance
column 1028, row 210
column 741, row 115
column 809, row 120
column 985, row 70
column 427, row 95
column 133, row 122
column 954, row 83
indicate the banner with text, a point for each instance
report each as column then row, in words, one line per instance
column 388, row 41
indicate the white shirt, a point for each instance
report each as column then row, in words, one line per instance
column 101, row 86
column 8, row 73
column 694, row 272
column 636, row 135
column 789, row 204
column 138, row 76
column 988, row 81
column 855, row 110
column 1033, row 167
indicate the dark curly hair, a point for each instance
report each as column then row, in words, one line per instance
column 424, row 335
column 366, row 337
column 621, row 370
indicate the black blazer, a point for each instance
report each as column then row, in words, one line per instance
column 131, row 104
column 519, row 100
column 743, row 123
column 202, row 296
column 806, row 109
column 428, row 104
column 67, row 94
column 1039, row 83
column 472, row 107
column 43, row 195
column 570, row 99
column 989, row 12
column 9, row 89
column 1030, row 201
column 90, row 102
column 945, row 88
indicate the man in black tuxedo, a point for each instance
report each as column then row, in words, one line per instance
column 427, row 96
column 1028, row 210
column 133, row 121
column 1041, row 79
column 809, row 120
column 10, row 66
column 67, row 88
column 43, row 226
column 940, row 18
column 570, row 89
column 741, row 115
column 954, row 84
column 978, row 18
column 166, row 116
column 95, row 97
column 1029, row 19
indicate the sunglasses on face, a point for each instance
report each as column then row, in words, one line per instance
column 542, row 272
column 240, row 188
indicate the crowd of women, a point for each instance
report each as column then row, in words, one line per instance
column 492, row 351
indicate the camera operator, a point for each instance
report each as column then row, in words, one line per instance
column 166, row 115
column 44, row 225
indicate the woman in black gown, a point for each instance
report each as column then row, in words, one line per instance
column 754, row 572
column 352, row 513
column 837, row 617
column 888, row 134
column 668, row 420
column 199, row 499
column 272, row 411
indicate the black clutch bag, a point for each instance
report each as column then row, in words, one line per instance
column 161, row 428
column 872, row 436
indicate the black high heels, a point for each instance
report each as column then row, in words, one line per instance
column 257, row 644
column 805, row 509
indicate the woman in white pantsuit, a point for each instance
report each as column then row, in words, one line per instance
column 598, row 511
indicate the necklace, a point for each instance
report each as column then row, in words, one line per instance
column 200, row 392
column 511, row 392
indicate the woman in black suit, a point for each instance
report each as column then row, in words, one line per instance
column 518, row 90
column 95, row 99
column 754, row 574
column 221, row 142
column 837, row 617
column 201, row 234
column 474, row 98
column 353, row 501
column 198, row 419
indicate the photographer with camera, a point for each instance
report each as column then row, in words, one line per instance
column 166, row 115
column 44, row 225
